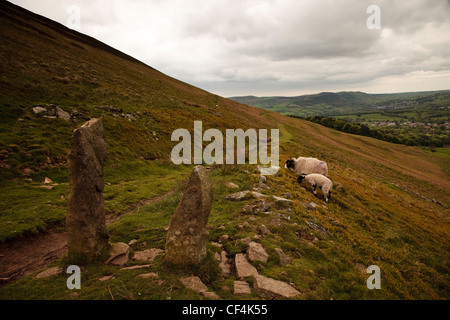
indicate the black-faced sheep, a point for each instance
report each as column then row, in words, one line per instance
column 318, row 180
column 304, row 165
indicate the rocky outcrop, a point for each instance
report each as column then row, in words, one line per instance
column 187, row 234
column 87, row 235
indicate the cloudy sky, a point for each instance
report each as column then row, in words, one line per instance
column 274, row 47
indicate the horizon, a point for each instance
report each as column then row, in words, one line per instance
column 298, row 49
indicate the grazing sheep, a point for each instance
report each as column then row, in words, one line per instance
column 304, row 165
column 315, row 180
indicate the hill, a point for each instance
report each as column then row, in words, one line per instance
column 389, row 205
column 345, row 103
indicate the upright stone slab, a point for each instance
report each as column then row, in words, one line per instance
column 87, row 235
column 187, row 234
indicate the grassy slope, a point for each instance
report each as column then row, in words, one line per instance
column 382, row 211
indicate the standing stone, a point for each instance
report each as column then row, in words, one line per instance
column 187, row 235
column 87, row 235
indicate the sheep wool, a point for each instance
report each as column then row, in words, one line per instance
column 303, row 165
column 318, row 180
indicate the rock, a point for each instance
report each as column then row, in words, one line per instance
column 224, row 238
column 187, row 235
column 232, row 185
column 283, row 257
column 256, row 252
column 246, row 241
column 147, row 255
column 48, row 187
column 312, row 205
column 194, row 283
column 243, row 267
column 224, row 265
column 264, row 230
column 256, row 207
column 238, row 196
column 150, row 275
column 105, row 278
column 270, row 288
column 316, row 227
column 362, row 268
column 282, row 201
column 262, row 179
column 132, row 242
column 38, row 110
column 87, row 235
column 60, row 113
column 141, row 266
column 49, row 273
column 209, row 295
column 47, row 181
column 242, row 288
column 118, row 254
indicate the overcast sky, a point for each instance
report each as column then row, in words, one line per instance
column 274, row 47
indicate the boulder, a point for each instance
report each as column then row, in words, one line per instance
column 87, row 235
column 268, row 288
column 187, row 235
column 243, row 268
column 256, row 252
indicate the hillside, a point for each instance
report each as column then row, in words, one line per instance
column 389, row 205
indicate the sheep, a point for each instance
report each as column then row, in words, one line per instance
column 304, row 165
column 315, row 180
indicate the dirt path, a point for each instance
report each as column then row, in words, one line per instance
column 29, row 254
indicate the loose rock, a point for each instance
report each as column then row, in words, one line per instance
column 243, row 267
column 270, row 288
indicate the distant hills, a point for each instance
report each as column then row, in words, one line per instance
column 342, row 103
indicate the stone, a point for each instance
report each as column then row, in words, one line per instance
column 282, row 201
column 194, row 283
column 147, row 255
column 38, row 110
column 47, row 181
column 150, row 275
column 132, row 242
column 118, row 254
column 268, row 288
column 224, row 238
column 105, row 278
column 49, row 273
column 283, row 257
column 242, row 288
column 210, row 295
column 243, row 268
column 224, row 265
column 264, row 230
column 238, row 196
column 187, row 235
column 87, row 235
column 256, row 252
column 232, row 185
column 60, row 113
column 141, row 266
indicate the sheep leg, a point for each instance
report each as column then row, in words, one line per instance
column 314, row 190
